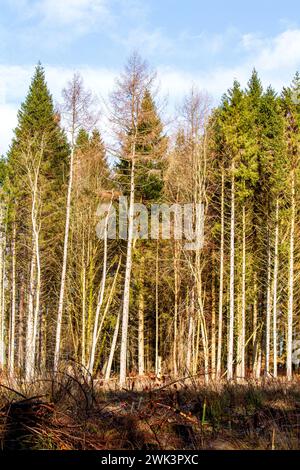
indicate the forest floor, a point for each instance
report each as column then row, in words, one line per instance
column 187, row 414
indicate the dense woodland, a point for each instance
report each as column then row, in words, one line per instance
column 140, row 306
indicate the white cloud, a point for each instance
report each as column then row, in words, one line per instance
column 58, row 22
column 15, row 81
column 275, row 58
column 58, row 12
column 147, row 41
column 281, row 51
column 8, row 121
column 82, row 13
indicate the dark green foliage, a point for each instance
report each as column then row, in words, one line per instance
column 37, row 119
column 150, row 151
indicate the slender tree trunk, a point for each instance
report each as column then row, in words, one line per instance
column 275, row 288
column 64, row 264
column 213, row 323
column 100, row 298
column 190, row 322
column 113, row 347
column 29, row 364
column 83, row 308
column 13, row 304
column 289, row 369
column 21, row 326
column 231, row 281
column 141, row 358
column 176, row 289
column 268, row 312
column 37, row 316
column 126, row 297
column 198, row 331
column 156, row 316
column 255, row 326
column 243, row 345
column 220, row 320
column 35, row 280
column 2, row 288
column 242, row 322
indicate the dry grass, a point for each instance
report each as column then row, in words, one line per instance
column 70, row 413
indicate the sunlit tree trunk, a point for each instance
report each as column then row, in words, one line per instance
column 213, row 324
column 176, row 290
column 113, row 347
column 156, row 316
column 141, row 345
column 268, row 312
column 242, row 322
column 83, row 307
column 100, row 298
column 2, row 287
column 231, row 280
column 275, row 289
column 13, row 304
column 78, row 112
column 221, row 283
column 64, row 263
column 29, row 362
column 289, row 370
column 126, row 296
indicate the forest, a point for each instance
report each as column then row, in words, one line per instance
column 127, row 315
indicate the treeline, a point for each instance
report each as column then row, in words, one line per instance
column 138, row 305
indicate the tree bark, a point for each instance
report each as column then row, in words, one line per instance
column 64, row 264
column 2, row 287
column 141, row 346
column 221, row 282
column 231, row 280
column 289, row 369
column 275, row 288
column 113, row 348
column 100, row 298
column 126, row 297
column 13, row 304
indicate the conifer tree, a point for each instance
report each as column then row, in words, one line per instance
column 38, row 133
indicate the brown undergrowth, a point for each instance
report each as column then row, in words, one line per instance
column 71, row 412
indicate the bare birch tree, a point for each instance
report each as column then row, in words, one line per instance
column 125, row 115
column 78, row 112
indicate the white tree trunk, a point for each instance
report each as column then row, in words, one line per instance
column 242, row 323
column 100, row 299
column 36, row 318
column 13, row 305
column 83, row 310
column 141, row 340
column 29, row 362
column 213, row 324
column 113, row 348
column 126, row 297
column 35, row 278
column 275, row 288
column 64, row 265
column 2, row 288
column 221, row 284
column 156, row 316
column 289, row 369
column 268, row 313
column 231, row 281
column 190, row 321
column 176, row 289
column 256, row 335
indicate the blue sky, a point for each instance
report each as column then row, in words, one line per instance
column 206, row 43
